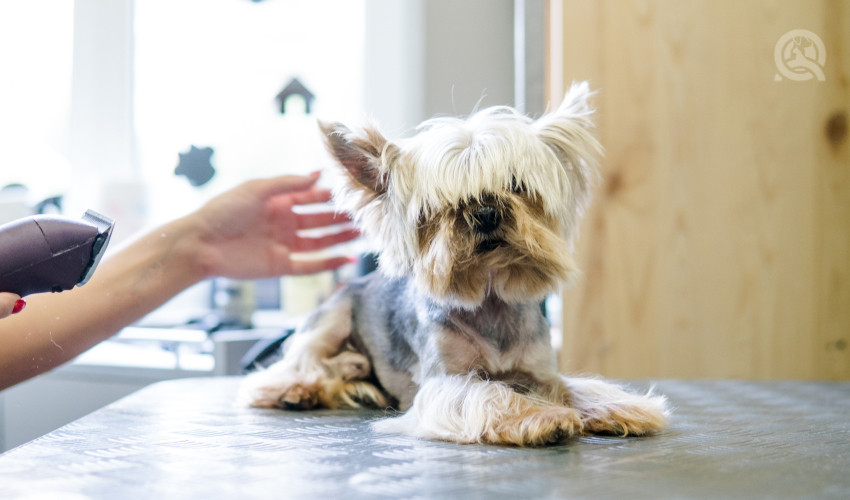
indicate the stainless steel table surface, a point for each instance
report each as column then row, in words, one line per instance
column 186, row 439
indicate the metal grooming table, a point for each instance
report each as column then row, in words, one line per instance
column 185, row 439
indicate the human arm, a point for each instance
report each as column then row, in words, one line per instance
column 248, row 232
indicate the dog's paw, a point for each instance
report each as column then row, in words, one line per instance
column 348, row 365
column 606, row 408
column 639, row 416
column 539, row 426
column 298, row 397
column 280, row 389
column 467, row 409
column 330, row 383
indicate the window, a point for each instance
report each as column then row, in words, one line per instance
column 207, row 73
column 35, row 63
column 98, row 99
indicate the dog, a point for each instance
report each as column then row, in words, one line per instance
column 474, row 220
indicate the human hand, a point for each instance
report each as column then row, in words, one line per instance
column 10, row 303
column 252, row 231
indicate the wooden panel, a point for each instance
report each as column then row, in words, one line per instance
column 718, row 243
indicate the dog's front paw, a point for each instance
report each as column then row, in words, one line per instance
column 606, row 408
column 538, row 426
column 467, row 409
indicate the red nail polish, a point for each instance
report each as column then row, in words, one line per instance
column 19, row 306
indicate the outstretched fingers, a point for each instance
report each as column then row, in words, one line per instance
column 284, row 184
column 320, row 219
column 311, row 196
column 312, row 244
column 319, row 265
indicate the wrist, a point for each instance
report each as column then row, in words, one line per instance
column 181, row 248
column 193, row 248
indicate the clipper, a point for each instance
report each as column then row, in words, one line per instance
column 48, row 253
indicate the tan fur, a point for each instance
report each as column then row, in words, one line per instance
column 531, row 260
column 607, row 408
column 466, row 409
column 317, row 371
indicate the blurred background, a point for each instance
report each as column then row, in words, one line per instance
column 717, row 244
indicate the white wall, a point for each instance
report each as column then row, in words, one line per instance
column 425, row 58
column 469, row 55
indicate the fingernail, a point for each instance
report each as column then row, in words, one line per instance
column 19, row 306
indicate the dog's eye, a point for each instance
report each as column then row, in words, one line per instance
column 517, row 187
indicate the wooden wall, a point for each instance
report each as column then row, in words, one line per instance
column 718, row 243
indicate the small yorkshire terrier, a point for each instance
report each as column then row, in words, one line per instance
column 474, row 220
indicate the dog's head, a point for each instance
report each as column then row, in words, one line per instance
column 477, row 206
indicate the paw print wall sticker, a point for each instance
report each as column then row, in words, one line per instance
column 196, row 165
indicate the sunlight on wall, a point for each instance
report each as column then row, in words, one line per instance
column 205, row 73
column 208, row 73
column 35, row 61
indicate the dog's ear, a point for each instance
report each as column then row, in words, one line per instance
column 569, row 132
column 368, row 161
column 363, row 155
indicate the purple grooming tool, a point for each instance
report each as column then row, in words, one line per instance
column 48, row 253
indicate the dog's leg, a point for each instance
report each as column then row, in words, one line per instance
column 467, row 409
column 608, row 409
column 317, row 369
column 346, row 385
column 604, row 407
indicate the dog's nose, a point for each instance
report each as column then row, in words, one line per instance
column 486, row 219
